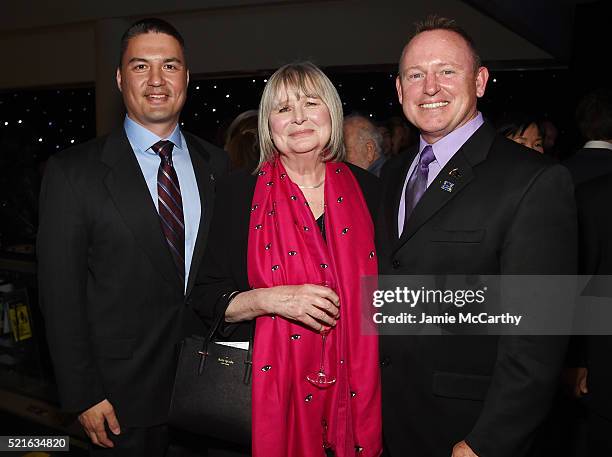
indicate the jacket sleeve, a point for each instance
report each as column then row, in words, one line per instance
column 542, row 240
column 216, row 279
column 62, row 246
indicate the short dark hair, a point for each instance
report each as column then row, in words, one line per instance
column 149, row 25
column 516, row 123
column 594, row 115
column 435, row 22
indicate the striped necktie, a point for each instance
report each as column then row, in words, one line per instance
column 170, row 205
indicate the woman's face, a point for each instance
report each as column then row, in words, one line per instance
column 531, row 137
column 299, row 123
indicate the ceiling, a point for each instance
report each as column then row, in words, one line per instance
column 65, row 41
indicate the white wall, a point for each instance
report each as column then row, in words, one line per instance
column 48, row 56
column 53, row 43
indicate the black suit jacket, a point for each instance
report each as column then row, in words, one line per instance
column 595, row 223
column 589, row 163
column 225, row 261
column 113, row 302
column 511, row 211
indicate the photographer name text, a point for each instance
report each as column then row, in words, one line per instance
column 447, row 319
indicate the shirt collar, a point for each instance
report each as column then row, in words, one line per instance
column 445, row 148
column 598, row 144
column 142, row 138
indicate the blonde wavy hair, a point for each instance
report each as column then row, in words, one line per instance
column 303, row 78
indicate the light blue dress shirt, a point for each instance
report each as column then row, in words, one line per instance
column 141, row 140
column 444, row 149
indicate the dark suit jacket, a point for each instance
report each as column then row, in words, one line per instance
column 595, row 223
column 589, row 163
column 113, row 303
column 224, row 269
column 511, row 211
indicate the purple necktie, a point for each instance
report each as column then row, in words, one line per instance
column 417, row 184
column 170, row 205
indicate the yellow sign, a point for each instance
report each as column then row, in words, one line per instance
column 20, row 322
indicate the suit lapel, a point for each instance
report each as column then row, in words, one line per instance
column 205, row 180
column 451, row 180
column 441, row 191
column 128, row 190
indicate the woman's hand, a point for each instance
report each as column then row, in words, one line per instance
column 312, row 305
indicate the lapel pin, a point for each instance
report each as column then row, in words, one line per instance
column 212, row 177
column 455, row 173
column 447, row 186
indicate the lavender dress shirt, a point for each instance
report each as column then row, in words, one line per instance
column 444, row 150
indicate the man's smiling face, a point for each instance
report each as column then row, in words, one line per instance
column 438, row 84
column 153, row 80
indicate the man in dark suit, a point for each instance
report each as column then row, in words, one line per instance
column 595, row 379
column 123, row 223
column 467, row 201
column 593, row 162
column 594, row 116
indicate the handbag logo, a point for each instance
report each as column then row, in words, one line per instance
column 225, row 361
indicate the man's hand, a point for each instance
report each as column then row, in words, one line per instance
column 462, row 449
column 582, row 381
column 93, row 420
column 576, row 379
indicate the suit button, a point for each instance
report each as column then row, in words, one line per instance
column 385, row 362
column 395, row 264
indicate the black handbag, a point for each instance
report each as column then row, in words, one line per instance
column 212, row 389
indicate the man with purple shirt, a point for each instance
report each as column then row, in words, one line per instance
column 467, row 202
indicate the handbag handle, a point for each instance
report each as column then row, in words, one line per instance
column 214, row 328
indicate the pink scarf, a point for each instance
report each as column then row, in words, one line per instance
column 286, row 248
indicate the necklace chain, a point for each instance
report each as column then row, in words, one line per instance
column 316, row 186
